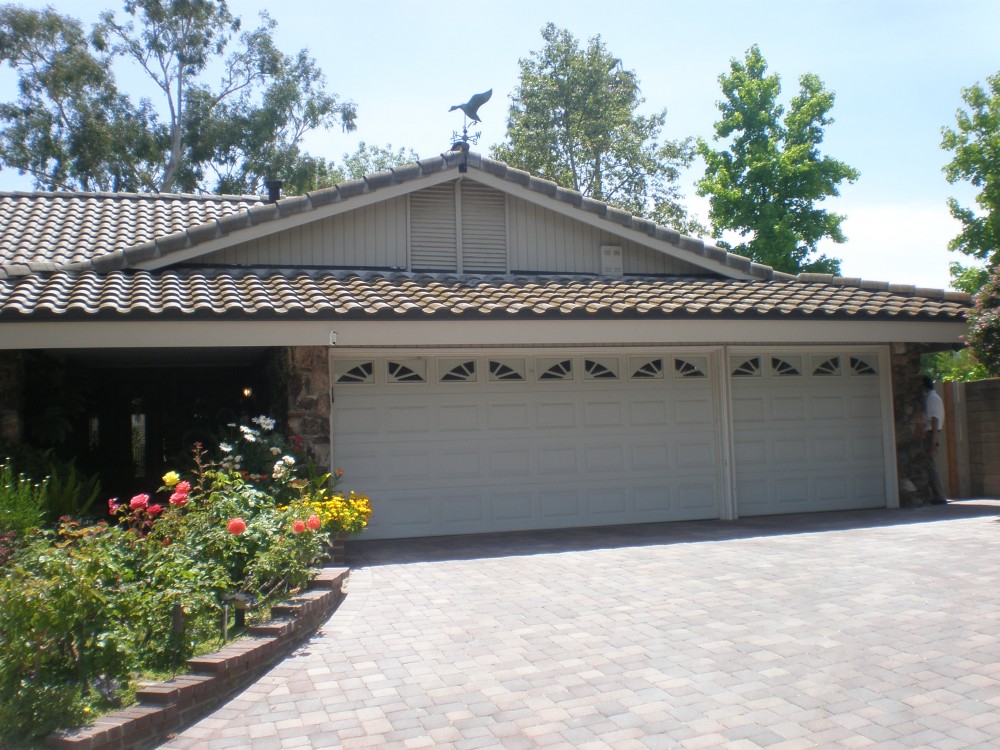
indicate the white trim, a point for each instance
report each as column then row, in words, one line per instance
column 727, row 446
column 467, row 332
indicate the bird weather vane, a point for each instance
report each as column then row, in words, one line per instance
column 471, row 111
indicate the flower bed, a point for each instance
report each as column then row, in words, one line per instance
column 84, row 608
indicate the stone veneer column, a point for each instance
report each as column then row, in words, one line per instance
column 908, row 408
column 11, row 398
column 309, row 399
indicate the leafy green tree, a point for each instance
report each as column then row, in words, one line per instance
column 573, row 120
column 766, row 185
column 983, row 337
column 72, row 127
column 369, row 159
column 975, row 143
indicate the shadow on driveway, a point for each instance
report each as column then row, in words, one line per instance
column 368, row 553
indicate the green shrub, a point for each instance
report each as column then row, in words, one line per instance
column 66, row 649
column 22, row 502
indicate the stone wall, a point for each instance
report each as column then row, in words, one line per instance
column 11, row 396
column 908, row 397
column 308, row 386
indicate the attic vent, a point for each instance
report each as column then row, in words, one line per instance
column 433, row 236
column 611, row 260
column 484, row 229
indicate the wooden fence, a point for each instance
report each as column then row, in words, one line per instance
column 971, row 459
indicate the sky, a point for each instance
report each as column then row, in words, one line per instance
column 897, row 68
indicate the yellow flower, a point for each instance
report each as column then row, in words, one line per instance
column 171, row 478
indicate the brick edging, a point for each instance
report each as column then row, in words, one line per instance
column 168, row 706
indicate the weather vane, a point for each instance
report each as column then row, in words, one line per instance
column 471, row 111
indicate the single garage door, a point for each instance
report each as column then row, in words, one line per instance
column 807, row 431
column 466, row 444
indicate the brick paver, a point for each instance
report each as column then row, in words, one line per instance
column 843, row 630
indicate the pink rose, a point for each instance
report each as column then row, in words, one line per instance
column 298, row 527
column 179, row 499
column 236, row 526
column 113, row 505
column 314, row 523
column 183, row 487
column 138, row 502
column 155, row 509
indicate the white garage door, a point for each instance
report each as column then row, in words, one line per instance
column 465, row 444
column 807, row 432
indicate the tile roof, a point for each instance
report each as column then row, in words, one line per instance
column 46, row 230
column 200, row 293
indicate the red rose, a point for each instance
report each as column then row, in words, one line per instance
column 298, row 527
column 314, row 523
column 236, row 526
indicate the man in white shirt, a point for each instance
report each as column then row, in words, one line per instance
column 933, row 422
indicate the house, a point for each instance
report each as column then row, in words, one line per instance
column 477, row 348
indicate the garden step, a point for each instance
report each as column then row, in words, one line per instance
column 300, row 604
column 180, row 689
column 330, row 579
column 273, row 628
column 237, row 656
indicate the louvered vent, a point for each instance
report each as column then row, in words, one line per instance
column 484, row 229
column 433, row 238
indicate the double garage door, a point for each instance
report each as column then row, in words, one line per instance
column 482, row 442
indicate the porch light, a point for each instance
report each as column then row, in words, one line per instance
column 247, row 391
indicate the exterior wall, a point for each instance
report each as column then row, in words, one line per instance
column 545, row 241
column 469, row 237
column 908, row 408
column 309, row 399
column 373, row 236
column 11, row 394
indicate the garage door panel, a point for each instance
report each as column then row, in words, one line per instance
column 788, row 408
column 508, row 417
column 830, row 449
column 557, row 415
column 561, row 505
column 608, row 457
column 610, row 504
column 695, row 454
column 828, row 407
column 693, row 411
column 511, row 506
column 651, row 457
column 750, row 451
column 748, row 409
column 461, row 464
column 602, row 414
column 864, row 406
column 509, row 461
column 700, row 497
column 790, row 450
column 648, row 412
column 459, row 418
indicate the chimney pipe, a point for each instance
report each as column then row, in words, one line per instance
column 273, row 190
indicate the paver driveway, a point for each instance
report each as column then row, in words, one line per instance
column 872, row 628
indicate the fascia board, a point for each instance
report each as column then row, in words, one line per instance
column 466, row 333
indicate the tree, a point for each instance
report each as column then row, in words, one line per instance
column 983, row 337
column 767, row 184
column 573, row 120
column 70, row 124
column 975, row 142
column 227, row 137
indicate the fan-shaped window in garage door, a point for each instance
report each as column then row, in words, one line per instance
column 506, row 370
column 463, row 371
column 561, row 369
column 826, row 366
column 862, row 367
column 646, row 369
column 786, row 366
column 354, row 372
column 600, row 369
column 411, row 371
column 691, row 367
column 746, row 367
